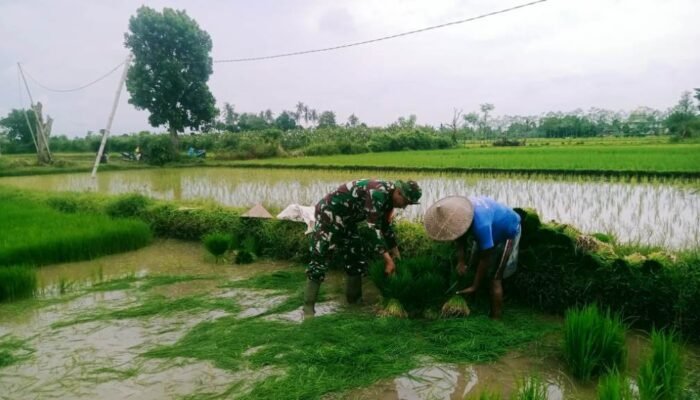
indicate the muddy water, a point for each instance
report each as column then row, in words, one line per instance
column 101, row 359
column 661, row 212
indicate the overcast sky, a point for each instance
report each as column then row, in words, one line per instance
column 555, row 56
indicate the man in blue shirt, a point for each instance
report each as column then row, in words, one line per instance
column 495, row 232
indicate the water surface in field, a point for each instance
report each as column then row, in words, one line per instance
column 636, row 210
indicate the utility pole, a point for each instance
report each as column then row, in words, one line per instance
column 111, row 115
column 41, row 141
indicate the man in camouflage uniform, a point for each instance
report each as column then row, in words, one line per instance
column 336, row 237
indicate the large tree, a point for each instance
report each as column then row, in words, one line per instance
column 326, row 119
column 170, row 70
column 16, row 129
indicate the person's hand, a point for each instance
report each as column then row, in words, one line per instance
column 461, row 269
column 467, row 291
column 389, row 266
column 395, row 253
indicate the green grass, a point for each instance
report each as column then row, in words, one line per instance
column 652, row 158
column 340, row 352
column 13, row 350
column 17, row 283
column 36, row 234
column 594, row 342
column 661, row 376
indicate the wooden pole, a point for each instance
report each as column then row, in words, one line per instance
column 111, row 116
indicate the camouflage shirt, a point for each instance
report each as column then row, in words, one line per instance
column 364, row 199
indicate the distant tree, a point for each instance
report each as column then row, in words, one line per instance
column 252, row 122
column 16, row 129
column 286, row 121
column 485, row 108
column 312, row 115
column 697, row 97
column 353, row 121
column 230, row 117
column 326, row 119
column 405, row 123
column 170, row 70
column 454, row 124
column 268, row 116
column 683, row 121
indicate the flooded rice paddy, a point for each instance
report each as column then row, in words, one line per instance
column 636, row 210
column 69, row 352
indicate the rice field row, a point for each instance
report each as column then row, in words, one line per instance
column 35, row 234
column 646, row 158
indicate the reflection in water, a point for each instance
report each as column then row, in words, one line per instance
column 661, row 212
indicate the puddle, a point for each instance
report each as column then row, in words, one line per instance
column 436, row 381
column 163, row 257
column 297, row 315
column 253, row 301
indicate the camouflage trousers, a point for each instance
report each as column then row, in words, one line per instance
column 332, row 244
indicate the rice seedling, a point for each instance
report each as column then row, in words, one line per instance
column 614, row 387
column 17, row 282
column 661, row 376
column 35, row 234
column 532, row 388
column 418, row 283
column 217, row 243
column 393, row 309
column 64, row 285
column 456, row 306
column 594, row 342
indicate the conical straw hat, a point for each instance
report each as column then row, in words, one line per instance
column 449, row 218
column 258, row 211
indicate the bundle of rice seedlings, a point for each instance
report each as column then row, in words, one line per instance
column 614, row 387
column 217, row 243
column 661, row 375
column 531, row 389
column 594, row 342
column 394, row 309
column 418, row 284
column 485, row 395
column 244, row 257
column 456, row 306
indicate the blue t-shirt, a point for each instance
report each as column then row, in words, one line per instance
column 493, row 223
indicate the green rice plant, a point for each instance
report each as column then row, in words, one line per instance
column 217, row 243
column 594, row 342
column 532, row 388
column 661, row 376
column 614, row 387
column 64, row 285
column 35, row 234
column 456, row 306
column 17, row 282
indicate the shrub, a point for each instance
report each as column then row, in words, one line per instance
column 129, row 205
column 661, row 375
column 594, row 343
column 158, row 149
column 244, row 257
column 17, row 283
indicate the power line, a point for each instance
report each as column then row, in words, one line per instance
column 110, row 72
column 343, row 46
